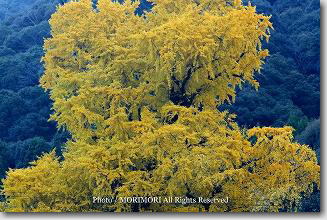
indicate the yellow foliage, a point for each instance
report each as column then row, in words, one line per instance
column 139, row 95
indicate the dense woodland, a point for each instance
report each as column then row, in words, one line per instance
column 289, row 92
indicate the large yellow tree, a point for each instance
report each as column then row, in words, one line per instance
column 139, row 94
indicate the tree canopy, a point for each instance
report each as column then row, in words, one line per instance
column 139, row 94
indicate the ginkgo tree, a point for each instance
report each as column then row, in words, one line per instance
column 139, row 95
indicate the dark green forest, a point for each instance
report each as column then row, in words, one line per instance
column 25, row 132
column 289, row 92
